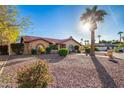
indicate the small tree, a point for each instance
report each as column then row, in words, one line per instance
column 11, row 25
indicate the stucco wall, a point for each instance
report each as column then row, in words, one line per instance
column 33, row 44
column 71, row 42
column 26, row 51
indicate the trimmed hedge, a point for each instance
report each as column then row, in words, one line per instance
column 17, row 48
column 63, row 52
column 35, row 75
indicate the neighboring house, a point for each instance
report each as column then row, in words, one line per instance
column 105, row 46
column 32, row 42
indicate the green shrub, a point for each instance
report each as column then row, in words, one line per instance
column 76, row 47
column 35, row 75
column 116, row 49
column 34, row 51
column 96, row 49
column 87, row 50
column 17, row 48
column 86, row 46
column 48, row 50
column 79, row 51
column 120, row 46
column 63, row 52
column 53, row 47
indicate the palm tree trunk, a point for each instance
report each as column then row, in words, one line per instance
column 120, row 37
column 92, row 51
column 99, row 39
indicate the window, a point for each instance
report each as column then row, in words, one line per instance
column 71, row 48
column 62, row 46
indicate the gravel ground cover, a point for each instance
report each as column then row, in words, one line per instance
column 85, row 71
column 8, row 77
column 72, row 71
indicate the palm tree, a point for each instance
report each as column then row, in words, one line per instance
column 85, row 41
column 99, row 36
column 120, row 33
column 82, row 40
column 93, row 16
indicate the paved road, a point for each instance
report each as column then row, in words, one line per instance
column 119, row 55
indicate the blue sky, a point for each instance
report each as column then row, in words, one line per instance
column 64, row 21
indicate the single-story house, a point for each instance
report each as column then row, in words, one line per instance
column 33, row 42
column 105, row 46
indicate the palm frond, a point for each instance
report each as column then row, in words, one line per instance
column 88, row 10
column 101, row 13
column 85, row 17
column 100, row 19
column 99, row 35
column 93, row 14
column 120, row 32
column 94, row 9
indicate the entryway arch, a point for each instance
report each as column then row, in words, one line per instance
column 38, row 46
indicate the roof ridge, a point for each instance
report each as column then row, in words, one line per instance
column 50, row 40
column 45, row 37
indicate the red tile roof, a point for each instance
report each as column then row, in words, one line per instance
column 28, row 39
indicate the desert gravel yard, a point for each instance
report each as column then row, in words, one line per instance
column 75, row 70
column 84, row 71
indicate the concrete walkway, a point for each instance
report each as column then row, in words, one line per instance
column 119, row 55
